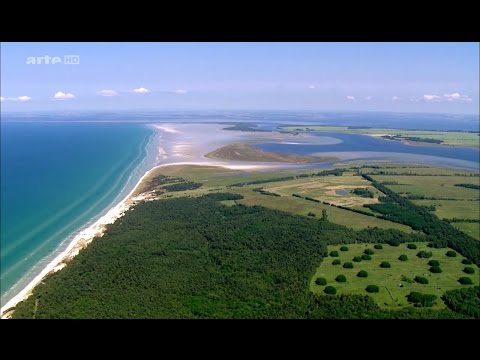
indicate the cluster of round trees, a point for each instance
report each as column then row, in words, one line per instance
column 424, row 254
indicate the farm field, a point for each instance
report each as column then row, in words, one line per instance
column 218, row 180
column 397, row 282
column 450, row 201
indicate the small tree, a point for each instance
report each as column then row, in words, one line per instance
column 403, row 257
column 434, row 263
column 341, row 278
column 366, row 257
column 348, row 265
column 385, row 265
column 344, row 248
column 451, row 253
column 321, row 281
column 330, row 290
column 469, row 270
column 436, row 269
column 421, row 280
column 465, row 281
column 334, row 253
column 378, row 246
column 311, row 214
column 372, row 289
column 362, row 274
column 324, row 215
column 357, row 259
column 368, row 252
column 412, row 246
column 424, row 254
column 336, row 262
column 466, row 262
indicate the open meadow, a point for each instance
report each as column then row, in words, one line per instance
column 396, row 282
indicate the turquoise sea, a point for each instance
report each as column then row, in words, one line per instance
column 55, row 179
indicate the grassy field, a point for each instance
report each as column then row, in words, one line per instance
column 472, row 229
column 434, row 186
column 448, row 138
column 392, row 284
column 463, row 203
column 449, row 209
column 327, row 188
column 299, row 206
column 217, row 179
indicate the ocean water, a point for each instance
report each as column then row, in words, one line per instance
column 55, row 179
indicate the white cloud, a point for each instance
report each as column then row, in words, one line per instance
column 351, row 98
column 311, row 87
column 454, row 97
column 23, row 98
column 180, row 91
column 432, row 98
column 60, row 95
column 368, row 98
column 107, row 93
column 395, row 98
column 2, row 99
column 141, row 90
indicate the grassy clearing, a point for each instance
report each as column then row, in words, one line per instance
column 302, row 207
column 434, row 186
column 449, row 209
column 327, row 189
column 472, row 229
column 448, row 137
column 393, row 288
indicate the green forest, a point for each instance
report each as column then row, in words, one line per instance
column 196, row 258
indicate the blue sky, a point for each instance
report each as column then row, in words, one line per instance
column 410, row 77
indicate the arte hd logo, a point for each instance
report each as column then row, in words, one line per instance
column 53, row 60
